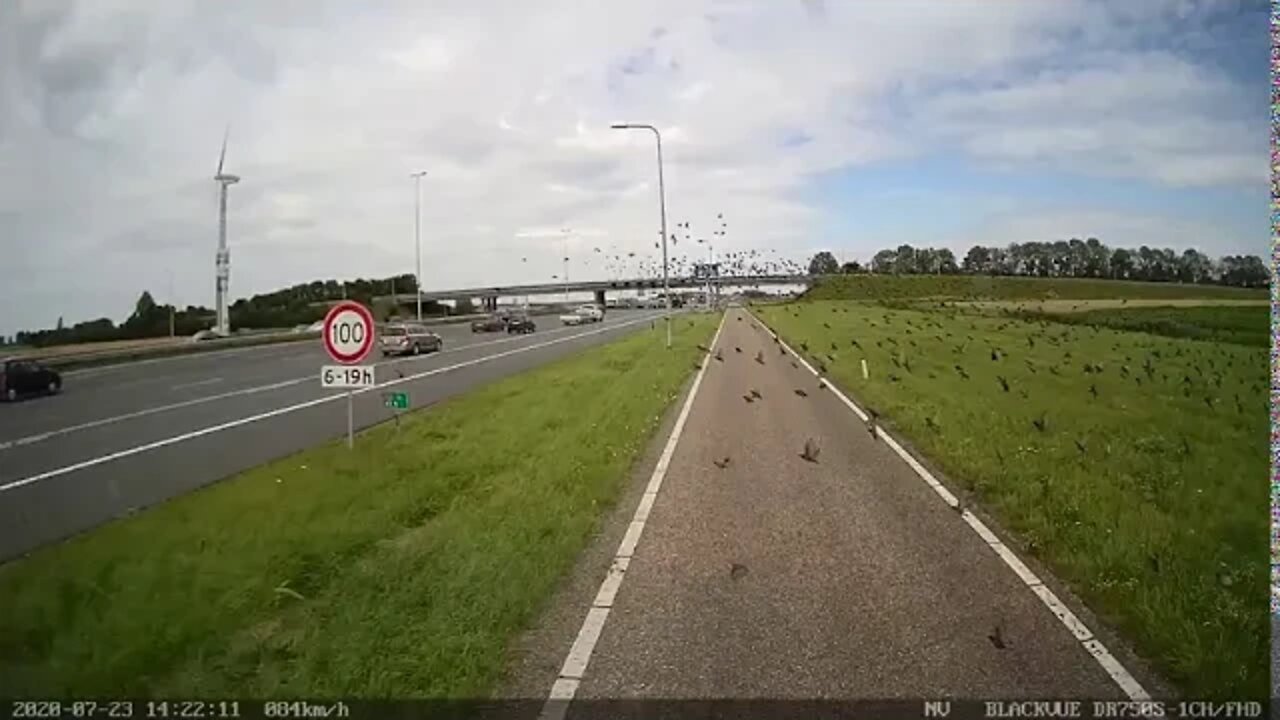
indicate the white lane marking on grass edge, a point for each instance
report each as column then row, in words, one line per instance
column 300, row 406
column 579, row 656
column 1092, row 645
column 144, row 412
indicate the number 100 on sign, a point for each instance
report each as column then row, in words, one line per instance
column 347, row 376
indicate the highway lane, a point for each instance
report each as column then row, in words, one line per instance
column 98, row 393
column 65, row 483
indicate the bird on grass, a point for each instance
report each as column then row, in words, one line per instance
column 1093, row 390
column 1004, row 384
column 1081, row 447
column 1041, row 423
column 932, row 424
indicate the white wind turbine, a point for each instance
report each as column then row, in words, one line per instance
column 222, row 262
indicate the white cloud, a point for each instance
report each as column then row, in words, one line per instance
column 111, row 114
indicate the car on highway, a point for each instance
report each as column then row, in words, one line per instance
column 27, row 377
column 206, row 335
column 584, row 314
column 408, row 339
column 493, row 323
column 520, row 324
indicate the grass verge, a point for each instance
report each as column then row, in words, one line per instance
column 399, row 569
column 1239, row 325
column 1131, row 464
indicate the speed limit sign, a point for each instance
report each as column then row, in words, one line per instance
column 348, row 332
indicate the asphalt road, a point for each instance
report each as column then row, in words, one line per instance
column 125, row 437
column 775, row 577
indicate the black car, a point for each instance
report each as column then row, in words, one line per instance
column 520, row 324
column 27, row 377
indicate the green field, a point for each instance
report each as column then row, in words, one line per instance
column 400, row 569
column 1132, row 464
column 1240, row 325
column 975, row 287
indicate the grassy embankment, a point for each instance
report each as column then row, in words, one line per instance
column 982, row 287
column 1132, row 464
column 399, row 569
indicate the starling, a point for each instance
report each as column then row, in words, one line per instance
column 811, row 451
column 722, row 464
column 801, row 393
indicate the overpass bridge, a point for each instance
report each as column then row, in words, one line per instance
column 488, row 296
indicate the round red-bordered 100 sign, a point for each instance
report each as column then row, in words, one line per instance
column 348, row 332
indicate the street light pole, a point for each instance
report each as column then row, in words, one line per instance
column 417, row 236
column 662, row 206
column 564, row 249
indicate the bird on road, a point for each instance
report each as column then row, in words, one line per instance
column 811, row 450
column 722, row 464
column 801, row 393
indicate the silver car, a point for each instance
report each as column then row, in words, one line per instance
column 408, row 339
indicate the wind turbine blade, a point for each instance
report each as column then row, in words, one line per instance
column 223, row 155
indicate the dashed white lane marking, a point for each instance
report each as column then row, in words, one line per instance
column 575, row 663
column 300, row 406
column 89, row 425
column 1118, row 673
column 198, row 383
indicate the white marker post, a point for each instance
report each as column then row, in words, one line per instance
column 864, row 368
column 348, row 338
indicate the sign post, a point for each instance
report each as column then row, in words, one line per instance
column 397, row 401
column 348, row 338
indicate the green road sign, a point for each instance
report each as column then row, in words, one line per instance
column 397, row 400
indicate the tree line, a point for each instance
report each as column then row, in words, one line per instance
column 297, row 305
column 1073, row 258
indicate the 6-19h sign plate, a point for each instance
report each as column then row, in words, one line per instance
column 348, row 332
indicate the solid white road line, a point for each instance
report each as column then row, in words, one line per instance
column 1121, row 676
column 89, row 425
column 579, row 656
column 198, row 383
column 300, row 406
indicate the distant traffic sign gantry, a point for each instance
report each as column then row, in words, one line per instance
column 348, row 332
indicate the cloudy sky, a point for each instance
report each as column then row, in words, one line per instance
column 849, row 125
